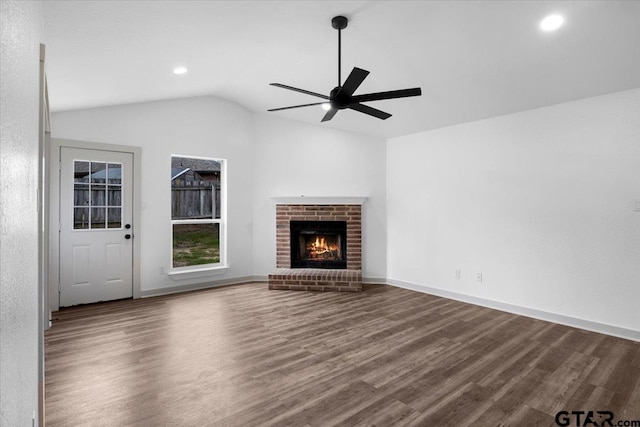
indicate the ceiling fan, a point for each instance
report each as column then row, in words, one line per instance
column 342, row 96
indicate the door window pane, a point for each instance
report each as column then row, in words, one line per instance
column 96, row 204
column 98, row 172
column 81, row 195
column 196, row 244
column 115, row 196
column 115, row 173
column 98, row 193
column 80, row 218
column 98, row 217
column 81, row 171
column 114, row 218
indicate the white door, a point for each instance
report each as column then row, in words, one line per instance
column 96, row 229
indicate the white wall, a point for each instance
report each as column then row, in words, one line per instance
column 293, row 159
column 267, row 156
column 540, row 202
column 22, row 33
column 203, row 126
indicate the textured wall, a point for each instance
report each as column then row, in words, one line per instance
column 540, row 202
column 19, row 74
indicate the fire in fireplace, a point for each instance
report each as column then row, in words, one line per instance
column 318, row 244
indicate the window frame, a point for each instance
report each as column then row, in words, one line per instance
column 222, row 221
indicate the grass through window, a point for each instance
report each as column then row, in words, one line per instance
column 196, row 244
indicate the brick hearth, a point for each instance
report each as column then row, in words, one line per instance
column 285, row 277
column 315, row 279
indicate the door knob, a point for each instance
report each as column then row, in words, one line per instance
column 127, row 226
column 127, row 236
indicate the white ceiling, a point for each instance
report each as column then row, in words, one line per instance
column 472, row 59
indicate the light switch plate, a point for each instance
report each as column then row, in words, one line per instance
column 637, row 206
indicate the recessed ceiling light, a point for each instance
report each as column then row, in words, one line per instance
column 326, row 106
column 180, row 70
column 551, row 23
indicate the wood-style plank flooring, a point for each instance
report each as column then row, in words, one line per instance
column 246, row 356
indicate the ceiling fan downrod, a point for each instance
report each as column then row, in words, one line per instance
column 339, row 23
column 342, row 96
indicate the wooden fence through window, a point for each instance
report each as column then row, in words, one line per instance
column 195, row 199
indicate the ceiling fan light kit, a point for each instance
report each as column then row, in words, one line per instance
column 342, row 96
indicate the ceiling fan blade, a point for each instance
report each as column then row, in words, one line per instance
column 354, row 80
column 319, row 95
column 370, row 111
column 332, row 112
column 296, row 106
column 403, row 93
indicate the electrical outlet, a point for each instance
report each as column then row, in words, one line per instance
column 458, row 273
column 479, row 277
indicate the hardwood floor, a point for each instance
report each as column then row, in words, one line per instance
column 246, row 356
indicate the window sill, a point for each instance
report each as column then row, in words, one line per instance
column 195, row 273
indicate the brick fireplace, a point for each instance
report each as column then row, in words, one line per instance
column 345, row 279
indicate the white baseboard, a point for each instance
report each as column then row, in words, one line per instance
column 588, row 325
column 375, row 280
column 197, row 286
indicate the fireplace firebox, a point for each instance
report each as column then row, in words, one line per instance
column 319, row 244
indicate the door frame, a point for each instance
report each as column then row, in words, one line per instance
column 54, row 224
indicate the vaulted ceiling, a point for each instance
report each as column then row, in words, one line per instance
column 472, row 59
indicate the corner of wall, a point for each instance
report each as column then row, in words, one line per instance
column 20, row 365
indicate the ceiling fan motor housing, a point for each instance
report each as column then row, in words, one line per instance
column 338, row 100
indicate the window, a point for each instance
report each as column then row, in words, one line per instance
column 197, row 211
column 97, row 195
